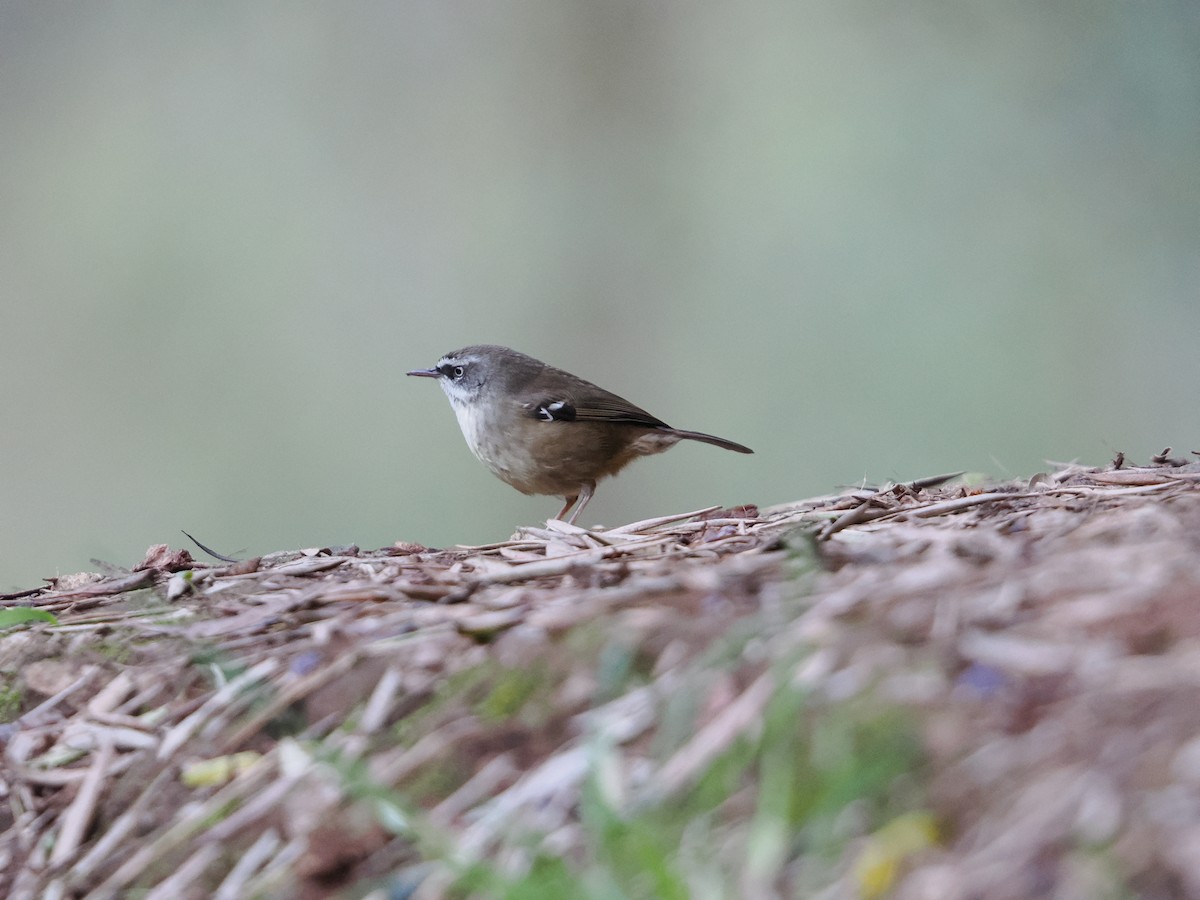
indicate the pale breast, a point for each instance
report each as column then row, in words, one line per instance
column 498, row 449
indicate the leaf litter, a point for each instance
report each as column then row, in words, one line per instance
column 439, row 722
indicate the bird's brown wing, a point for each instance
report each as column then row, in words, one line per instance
column 585, row 402
column 601, row 406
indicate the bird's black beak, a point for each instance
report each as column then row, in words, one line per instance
column 425, row 373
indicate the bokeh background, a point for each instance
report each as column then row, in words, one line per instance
column 870, row 240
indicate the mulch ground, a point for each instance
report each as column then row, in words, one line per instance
column 242, row 729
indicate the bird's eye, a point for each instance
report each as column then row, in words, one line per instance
column 457, row 371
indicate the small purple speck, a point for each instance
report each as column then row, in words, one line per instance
column 983, row 679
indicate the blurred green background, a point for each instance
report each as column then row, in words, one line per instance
column 869, row 240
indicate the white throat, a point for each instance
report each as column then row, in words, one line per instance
column 470, row 419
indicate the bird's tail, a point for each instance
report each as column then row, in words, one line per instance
column 711, row 439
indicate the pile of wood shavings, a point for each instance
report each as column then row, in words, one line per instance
column 1045, row 634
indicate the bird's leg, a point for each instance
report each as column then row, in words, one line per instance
column 585, row 494
column 566, row 507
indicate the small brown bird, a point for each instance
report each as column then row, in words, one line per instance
column 546, row 431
